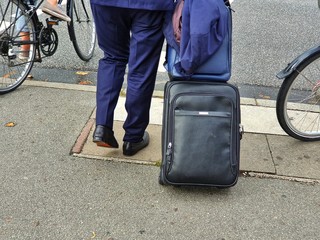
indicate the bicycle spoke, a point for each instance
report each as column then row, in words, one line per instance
column 17, row 45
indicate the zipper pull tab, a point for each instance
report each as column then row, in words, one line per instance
column 168, row 156
column 241, row 130
column 169, row 149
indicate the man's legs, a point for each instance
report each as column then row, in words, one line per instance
column 113, row 32
column 145, row 49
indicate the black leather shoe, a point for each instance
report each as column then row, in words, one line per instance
column 130, row 148
column 104, row 137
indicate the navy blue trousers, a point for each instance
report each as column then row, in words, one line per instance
column 127, row 37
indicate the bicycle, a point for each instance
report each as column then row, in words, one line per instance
column 42, row 38
column 298, row 100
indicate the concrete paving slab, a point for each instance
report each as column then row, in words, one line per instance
column 258, row 119
column 295, row 158
column 255, row 154
column 150, row 155
column 156, row 110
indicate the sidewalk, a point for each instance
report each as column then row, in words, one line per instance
column 262, row 146
column 94, row 193
column 266, row 150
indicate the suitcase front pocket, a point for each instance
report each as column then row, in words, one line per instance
column 201, row 147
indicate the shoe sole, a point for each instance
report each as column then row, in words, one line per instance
column 55, row 14
column 101, row 143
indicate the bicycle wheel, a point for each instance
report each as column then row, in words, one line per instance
column 82, row 30
column 298, row 101
column 17, row 45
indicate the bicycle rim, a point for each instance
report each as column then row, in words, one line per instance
column 82, row 29
column 16, row 30
column 298, row 104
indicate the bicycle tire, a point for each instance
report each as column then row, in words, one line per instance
column 82, row 29
column 298, row 101
column 15, row 63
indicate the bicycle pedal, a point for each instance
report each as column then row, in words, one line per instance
column 53, row 21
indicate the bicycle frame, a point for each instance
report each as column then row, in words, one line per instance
column 32, row 12
column 26, row 38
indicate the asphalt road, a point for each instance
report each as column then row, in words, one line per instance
column 267, row 35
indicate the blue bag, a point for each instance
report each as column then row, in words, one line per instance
column 216, row 68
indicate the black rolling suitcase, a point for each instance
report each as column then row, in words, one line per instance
column 201, row 134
